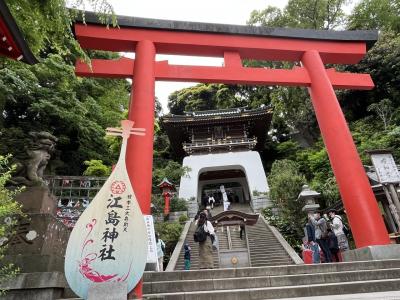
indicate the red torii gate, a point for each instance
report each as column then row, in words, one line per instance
column 312, row 48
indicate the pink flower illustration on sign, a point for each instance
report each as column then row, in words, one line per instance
column 85, row 267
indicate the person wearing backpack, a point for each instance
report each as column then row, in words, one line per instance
column 338, row 229
column 160, row 252
column 205, row 235
column 321, row 234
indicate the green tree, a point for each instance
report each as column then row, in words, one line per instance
column 313, row 14
column 47, row 25
column 96, row 168
column 49, row 97
column 292, row 106
column 376, row 14
column 10, row 210
column 384, row 110
column 169, row 233
column 285, row 182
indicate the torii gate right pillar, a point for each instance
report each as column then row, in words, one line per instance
column 358, row 199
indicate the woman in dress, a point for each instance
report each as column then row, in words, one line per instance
column 204, row 227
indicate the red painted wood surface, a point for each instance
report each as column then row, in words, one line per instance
column 358, row 199
column 214, row 45
column 124, row 68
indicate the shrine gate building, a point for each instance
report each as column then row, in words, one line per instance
column 220, row 147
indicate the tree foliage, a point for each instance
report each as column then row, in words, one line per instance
column 49, row 97
column 47, row 24
column 376, row 14
column 312, row 14
column 286, row 181
column 96, row 168
column 10, row 210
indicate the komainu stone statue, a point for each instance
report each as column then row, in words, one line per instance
column 30, row 171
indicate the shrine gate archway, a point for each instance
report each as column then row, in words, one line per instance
column 312, row 48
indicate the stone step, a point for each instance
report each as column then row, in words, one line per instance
column 269, row 281
column 270, row 263
column 350, row 287
column 392, row 295
column 268, row 250
column 271, row 271
column 260, row 256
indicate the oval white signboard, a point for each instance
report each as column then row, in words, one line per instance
column 109, row 241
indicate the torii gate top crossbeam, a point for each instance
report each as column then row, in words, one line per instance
column 233, row 43
column 250, row 42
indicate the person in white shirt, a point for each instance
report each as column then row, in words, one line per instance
column 337, row 227
column 205, row 235
column 211, row 201
column 160, row 252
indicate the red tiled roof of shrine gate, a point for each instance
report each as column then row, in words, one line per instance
column 12, row 43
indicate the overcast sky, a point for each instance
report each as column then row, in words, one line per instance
column 207, row 11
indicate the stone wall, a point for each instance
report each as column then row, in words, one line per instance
column 258, row 203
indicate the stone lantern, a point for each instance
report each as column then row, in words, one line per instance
column 167, row 189
column 308, row 196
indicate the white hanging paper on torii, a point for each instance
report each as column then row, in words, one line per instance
column 109, row 241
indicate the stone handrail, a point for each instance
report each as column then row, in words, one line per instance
column 290, row 251
column 178, row 248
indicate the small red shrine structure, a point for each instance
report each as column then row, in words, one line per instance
column 167, row 189
column 313, row 49
column 12, row 43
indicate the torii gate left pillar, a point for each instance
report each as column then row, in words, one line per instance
column 139, row 159
column 139, row 155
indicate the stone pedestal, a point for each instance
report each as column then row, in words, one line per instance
column 108, row 291
column 40, row 240
column 373, row 253
column 38, row 248
column 35, row 286
column 37, row 200
column 39, row 244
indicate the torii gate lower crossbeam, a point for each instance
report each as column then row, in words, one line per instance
column 312, row 48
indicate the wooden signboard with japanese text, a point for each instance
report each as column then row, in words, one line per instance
column 385, row 167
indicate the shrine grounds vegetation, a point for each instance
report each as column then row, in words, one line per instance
column 49, row 97
column 10, row 210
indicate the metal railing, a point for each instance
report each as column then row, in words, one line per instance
column 73, row 194
column 220, row 143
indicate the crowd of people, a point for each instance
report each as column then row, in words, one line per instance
column 325, row 238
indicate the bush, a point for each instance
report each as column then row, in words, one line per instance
column 286, row 182
column 169, row 233
column 183, row 219
column 96, row 168
column 10, row 210
column 178, row 204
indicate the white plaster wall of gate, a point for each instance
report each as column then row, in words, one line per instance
column 247, row 161
column 242, row 181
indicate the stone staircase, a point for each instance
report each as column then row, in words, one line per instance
column 264, row 247
column 234, row 234
column 194, row 261
column 276, row 282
